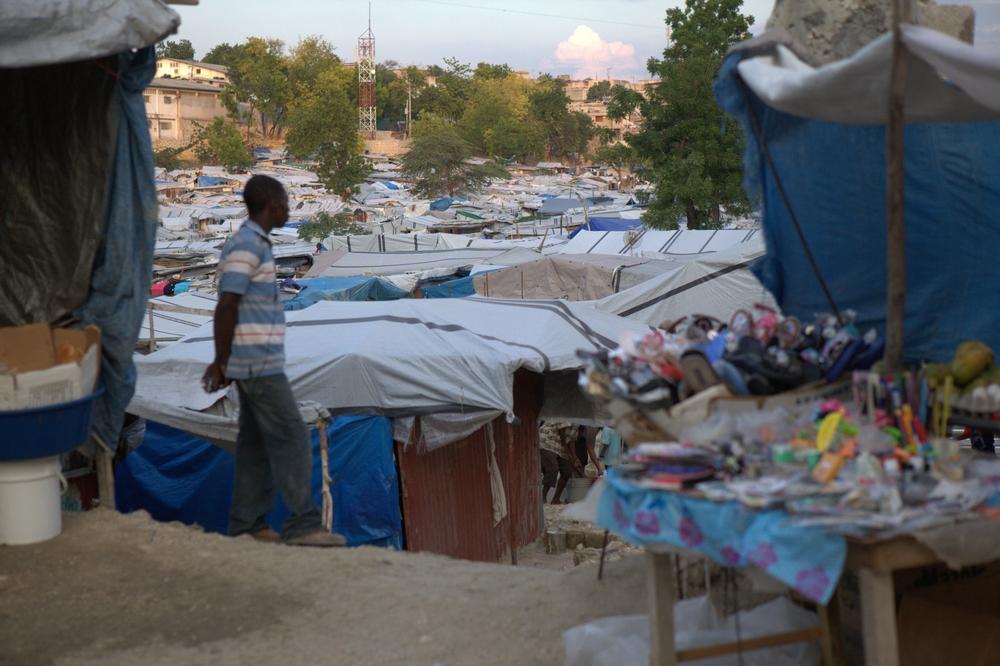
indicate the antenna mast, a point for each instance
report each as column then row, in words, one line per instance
column 366, row 81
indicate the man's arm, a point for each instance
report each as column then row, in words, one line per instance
column 226, row 316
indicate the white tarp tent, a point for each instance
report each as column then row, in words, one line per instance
column 640, row 242
column 397, row 358
column 947, row 80
column 339, row 263
column 715, row 284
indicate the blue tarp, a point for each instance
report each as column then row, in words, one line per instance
column 119, row 284
column 835, row 176
column 211, row 181
column 176, row 476
column 442, row 204
column 607, row 224
column 457, row 288
column 360, row 288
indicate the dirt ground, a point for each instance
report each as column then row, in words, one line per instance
column 123, row 589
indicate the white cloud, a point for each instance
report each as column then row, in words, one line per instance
column 592, row 56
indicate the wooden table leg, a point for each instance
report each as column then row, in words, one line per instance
column 878, row 618
column 662, row 594
column 829, row 623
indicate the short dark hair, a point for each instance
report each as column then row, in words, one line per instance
column 261, row 191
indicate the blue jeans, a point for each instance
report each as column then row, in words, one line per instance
column 272, row 453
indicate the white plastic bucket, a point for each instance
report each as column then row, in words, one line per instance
column 577, row 488
column 30, row 502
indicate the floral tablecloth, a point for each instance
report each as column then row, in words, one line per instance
column 807, row 559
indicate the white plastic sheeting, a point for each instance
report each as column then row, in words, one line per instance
column 399, row 358
column 714, row 284
column 947, row 80
column 340, row 263
column 642, row 241
column 46, row 32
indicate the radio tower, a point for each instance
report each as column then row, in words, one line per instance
column 366, row 81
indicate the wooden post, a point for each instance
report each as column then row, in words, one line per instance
column 878, row 617
column 152, row 331
column 895, row 178
column 661, row 609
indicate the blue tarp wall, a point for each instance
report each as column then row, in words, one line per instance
column 176, row 476
column 835, row 176
column 457, row 288
column 361, row 288
column 607, row 224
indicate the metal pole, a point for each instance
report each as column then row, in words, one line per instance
column 895, row 179
column 152, row 331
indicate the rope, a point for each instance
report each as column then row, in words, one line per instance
column 324, row 456
column 759, row 134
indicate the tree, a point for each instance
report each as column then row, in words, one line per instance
column 310, row 58
column 617, row 156
column 694, row 150
column 567, row 133
column 485, row 70
column 323, row 124
column 181, row 50
column 599, row 91
column 497, row 119
column 220, row 143
column 438, row 160
column 169, row 158
column 450, row 94
column 259, row 85
column 224, row 54
column 325, row 225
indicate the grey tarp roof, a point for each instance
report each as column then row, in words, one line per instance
column 947, row 80
column 340, row 263
column 398, row 358
column 46, row 32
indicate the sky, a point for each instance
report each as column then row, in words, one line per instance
column 577, row 37
column 584, row 38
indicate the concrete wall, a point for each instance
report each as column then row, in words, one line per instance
column 387, row 143
column 175, row 114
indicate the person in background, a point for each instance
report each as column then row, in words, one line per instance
column 272, row 448
column 585, row 451
column 319, row 249
column 556, row 442
column 610, row 447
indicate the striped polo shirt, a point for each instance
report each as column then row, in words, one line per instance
column 246, row 267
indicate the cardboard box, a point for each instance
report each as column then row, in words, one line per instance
column 40, row 366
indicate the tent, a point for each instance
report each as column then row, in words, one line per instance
column 715, row 284
column 176, row 476
column 339, row 263
column 361, row 288
column 679, row 243
column 608, row 224
column 823, row 128
column 581, row 277
column 404, row 357
column 79, row 200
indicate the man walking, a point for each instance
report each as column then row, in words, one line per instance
column 272, row 449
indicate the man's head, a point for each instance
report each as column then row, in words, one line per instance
column 267, row 202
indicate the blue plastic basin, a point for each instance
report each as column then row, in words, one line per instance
column 40, row 432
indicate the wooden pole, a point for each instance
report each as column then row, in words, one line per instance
column 895, row 178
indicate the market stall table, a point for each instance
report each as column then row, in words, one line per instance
column 807, row 559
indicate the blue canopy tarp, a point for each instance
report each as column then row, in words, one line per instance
column 456, row 288
column 608, row 224
column 443, row 203
column 176, row 476
column 359, row 288
column 835, row 176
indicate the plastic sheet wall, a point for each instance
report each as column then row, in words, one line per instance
column 176, row 476
column 447, row 500
column 835, row 175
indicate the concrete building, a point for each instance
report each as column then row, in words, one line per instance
column 190, row 70
column 175, row 108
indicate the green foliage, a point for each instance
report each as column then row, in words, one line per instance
column 224, row 54
column 259, row 82
column 181, row 50
column 450, row 94
column 618, row 156
column 438, row 160
column 323, row 124
column 694, row 151
column 497, row 119
column 566, row 133
column 220, row 143
column 169, row 158
column 485, row 70
column 599, row 91
column 324, row 225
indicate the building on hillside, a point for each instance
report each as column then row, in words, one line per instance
column 175, row 108
column 191, row 70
